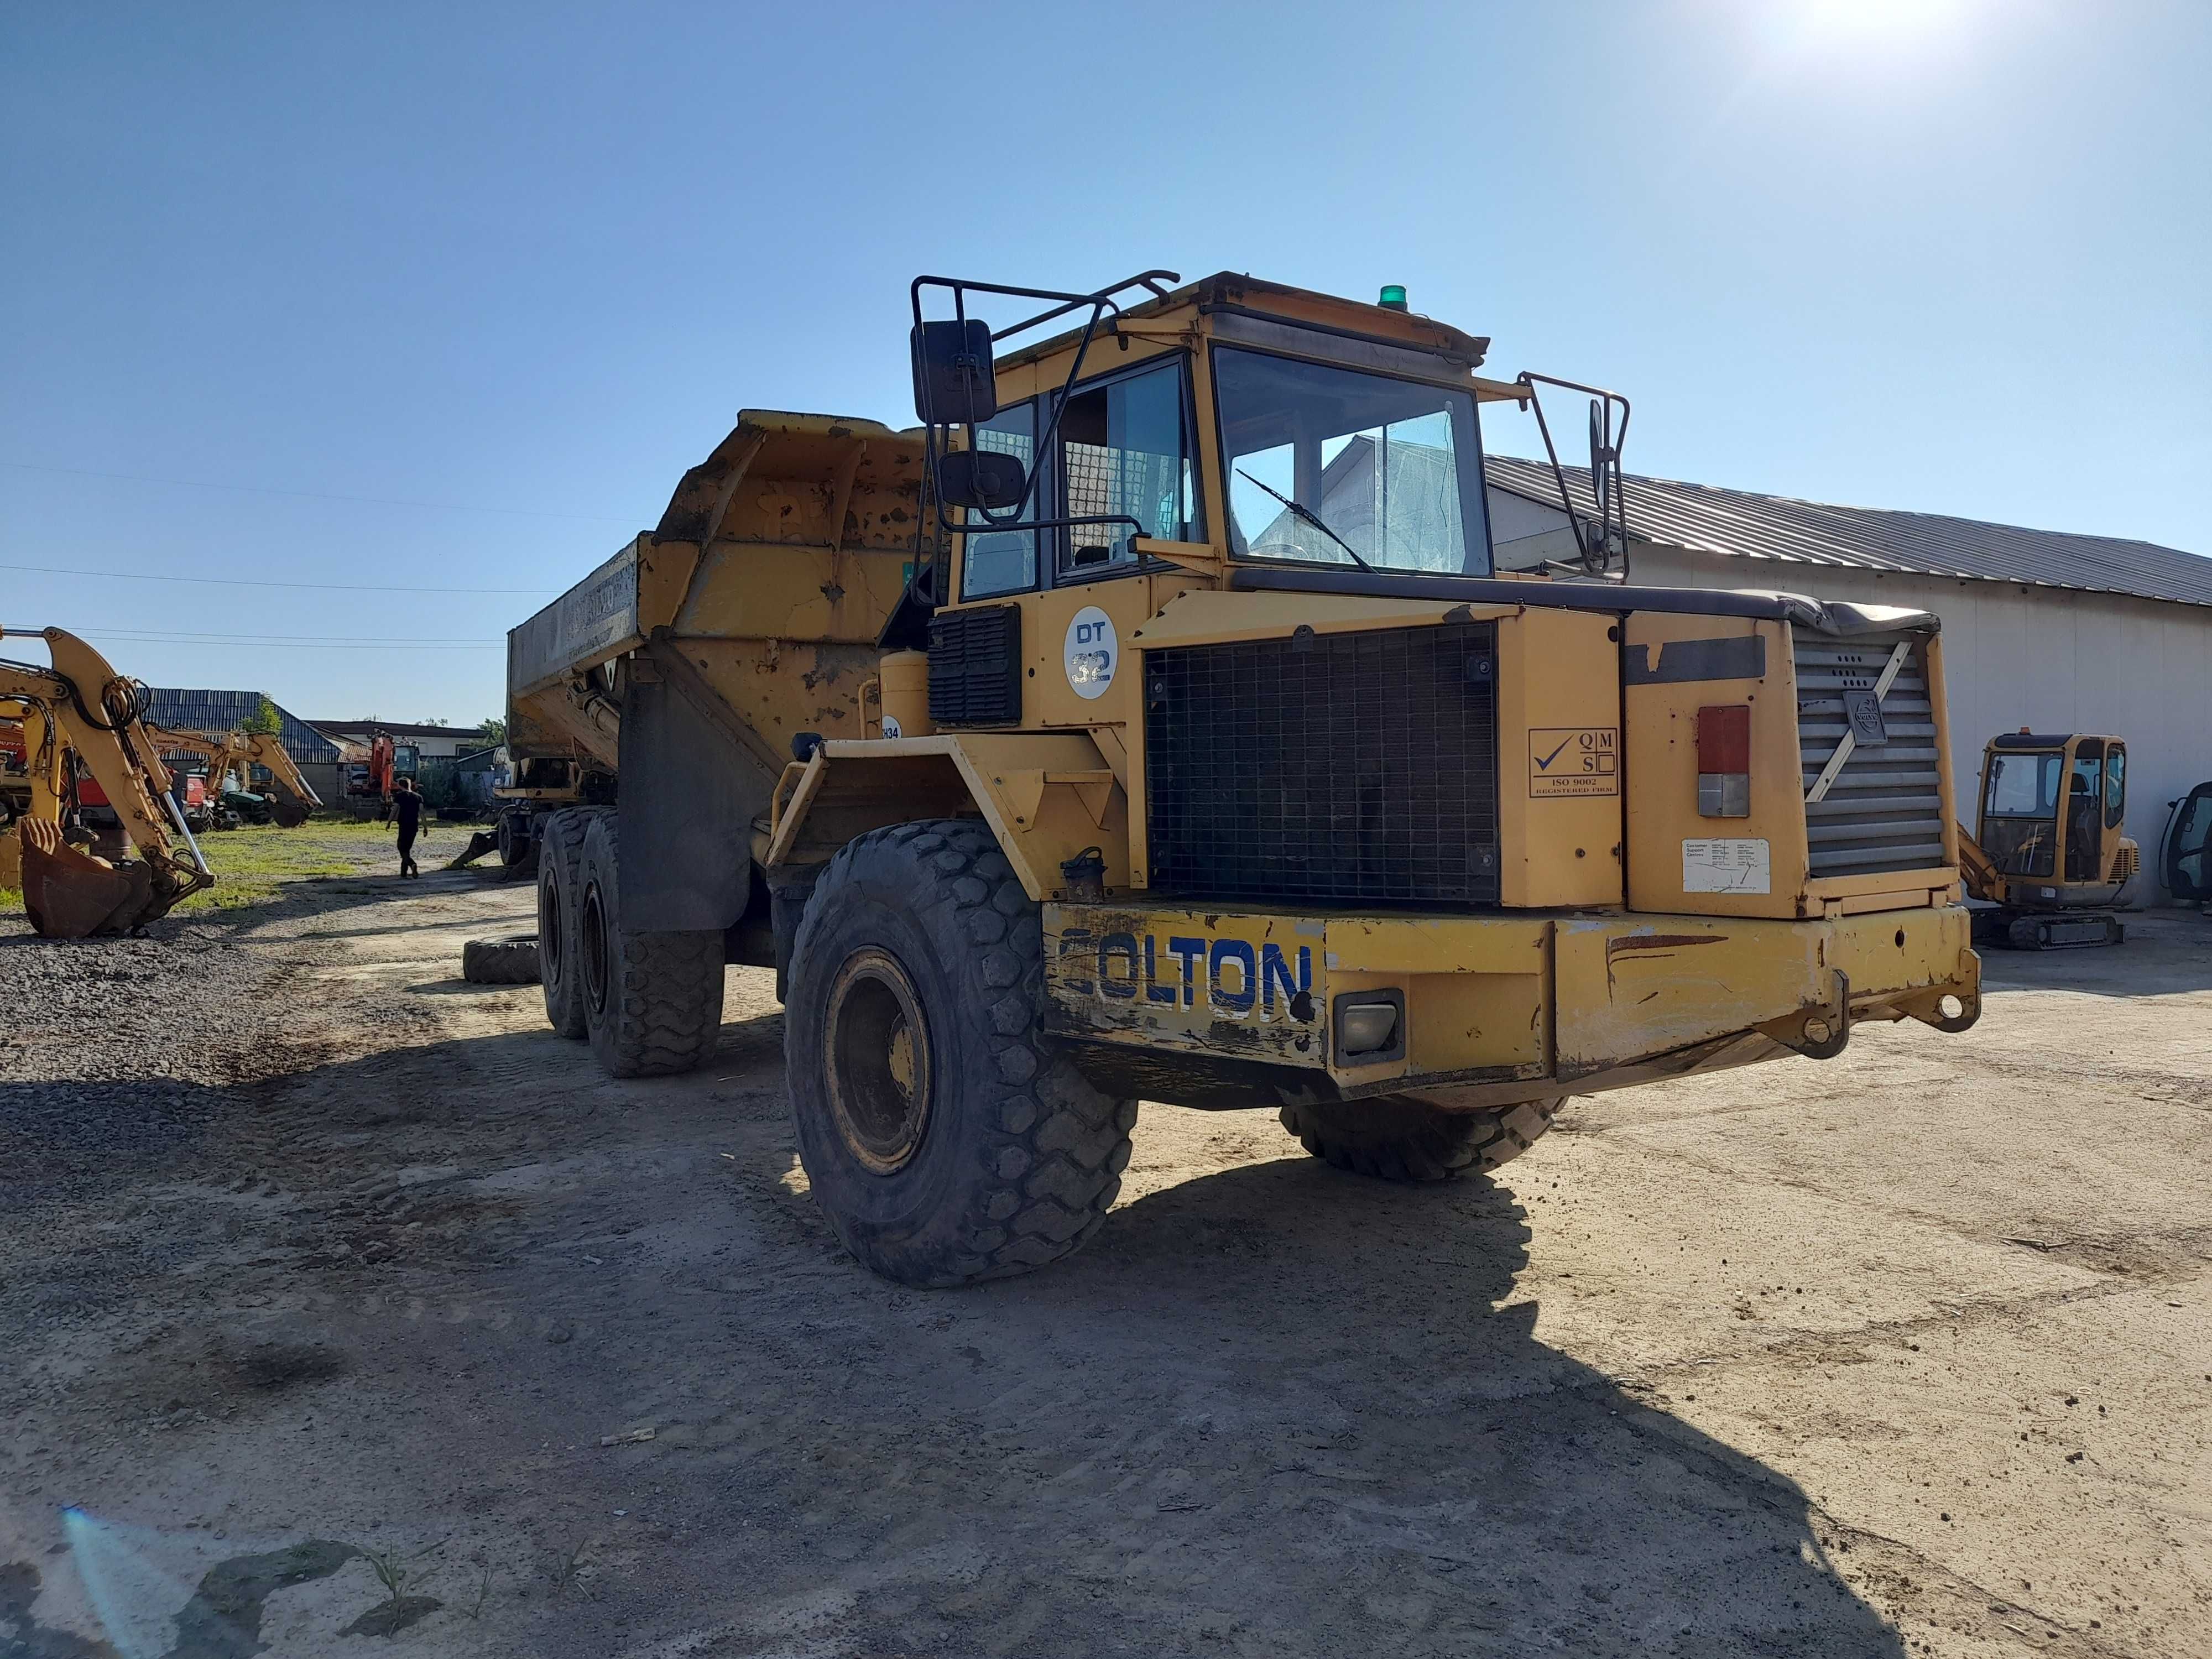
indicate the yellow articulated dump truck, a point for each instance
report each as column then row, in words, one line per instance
column 1150, row 723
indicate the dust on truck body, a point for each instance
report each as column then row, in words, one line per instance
column 1173, row 738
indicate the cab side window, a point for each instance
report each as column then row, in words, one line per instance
column 1124, row 448
column 1004, row 560
column 2116, row 786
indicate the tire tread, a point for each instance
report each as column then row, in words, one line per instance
column 1393, row 1139
column 1055, row 1144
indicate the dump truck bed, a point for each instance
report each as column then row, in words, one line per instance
column 777, row 561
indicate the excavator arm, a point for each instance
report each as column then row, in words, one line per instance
column 1982, row 877
column 81, row 704
column 242, row 751
column 267, row 750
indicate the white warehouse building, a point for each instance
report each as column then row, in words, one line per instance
column 2051, row 632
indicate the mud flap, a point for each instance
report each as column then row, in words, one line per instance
column 689, row 799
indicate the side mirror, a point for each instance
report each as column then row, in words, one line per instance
column 953, row 383
column 986, row 478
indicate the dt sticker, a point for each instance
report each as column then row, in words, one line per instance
column 1089, row 652
column 1582, row 760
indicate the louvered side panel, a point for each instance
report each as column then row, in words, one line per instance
column 1884, row 810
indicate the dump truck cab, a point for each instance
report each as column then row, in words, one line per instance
column 1207, row 759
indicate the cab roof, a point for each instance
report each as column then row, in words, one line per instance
column 1232, row 292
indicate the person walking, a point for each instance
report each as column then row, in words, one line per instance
column 407, row 807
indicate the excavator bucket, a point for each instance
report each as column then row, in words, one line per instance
column 71, row 895
column 288, row 814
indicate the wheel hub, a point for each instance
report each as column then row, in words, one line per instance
column 877, row 1061
column 595, row 949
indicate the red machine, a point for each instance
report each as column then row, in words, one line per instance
column 368, row 783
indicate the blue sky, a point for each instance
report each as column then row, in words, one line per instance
column 445, row 297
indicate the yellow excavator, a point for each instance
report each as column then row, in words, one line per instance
column 240, row 752
column 83, row 725
column 2048, row 849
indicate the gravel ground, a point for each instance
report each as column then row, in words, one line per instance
column 320, row 1258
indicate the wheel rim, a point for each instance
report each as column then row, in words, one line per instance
column 595, row 949
column 877, row 1061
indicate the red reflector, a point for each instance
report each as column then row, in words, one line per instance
column 1724, row 737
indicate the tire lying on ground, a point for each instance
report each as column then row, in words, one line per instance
column 560, row 901
column 945, row 1137
column 653, row 1002
column 509, row 961
column 1399, row 1140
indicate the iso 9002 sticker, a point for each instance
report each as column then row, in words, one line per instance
column 1574, row 760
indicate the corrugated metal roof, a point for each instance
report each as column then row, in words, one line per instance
column 1754, row 527
column 215, row 711
column 357, row 730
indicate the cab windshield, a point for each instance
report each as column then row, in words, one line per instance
column 1330, row 465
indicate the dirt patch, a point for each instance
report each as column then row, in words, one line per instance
column 1903, row 1353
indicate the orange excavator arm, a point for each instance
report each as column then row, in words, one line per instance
column 82, row 704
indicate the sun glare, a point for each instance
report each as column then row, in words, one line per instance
column 1877, row 22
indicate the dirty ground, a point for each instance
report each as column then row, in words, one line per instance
column 345, row 1308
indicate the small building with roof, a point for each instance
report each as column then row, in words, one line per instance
column 2041, row 630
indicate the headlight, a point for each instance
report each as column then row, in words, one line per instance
column 1371, row 1026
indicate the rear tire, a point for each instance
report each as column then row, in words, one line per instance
column 653, row 1002
column 945, row 1137
column 560, row 899
column 514, row 838
column 1394, row 1138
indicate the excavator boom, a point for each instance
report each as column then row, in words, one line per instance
column 82, row 705
column 242, row 751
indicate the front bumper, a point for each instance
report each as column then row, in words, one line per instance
column 1216, row 1008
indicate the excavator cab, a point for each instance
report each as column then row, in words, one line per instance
column 2050, row 848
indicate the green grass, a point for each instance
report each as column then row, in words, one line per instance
column 251, row 866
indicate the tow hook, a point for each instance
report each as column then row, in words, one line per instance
column 1818, row 1033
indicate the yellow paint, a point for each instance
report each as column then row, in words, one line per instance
column 1557, row 675
column 1578, row 1000
column 1047, row 796
column 1661, row 746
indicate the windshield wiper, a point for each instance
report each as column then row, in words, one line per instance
column 1306, row 515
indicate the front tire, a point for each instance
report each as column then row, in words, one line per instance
column 1394, row 1138
column 945, row 1137
column 653, row 1002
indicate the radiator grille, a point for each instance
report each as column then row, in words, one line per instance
column 1341, row 768
column 975, row 666
column 1884, row 811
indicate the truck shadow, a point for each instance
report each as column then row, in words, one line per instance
column 1342, row 1413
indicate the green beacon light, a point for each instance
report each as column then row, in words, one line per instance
column 1394, row 296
